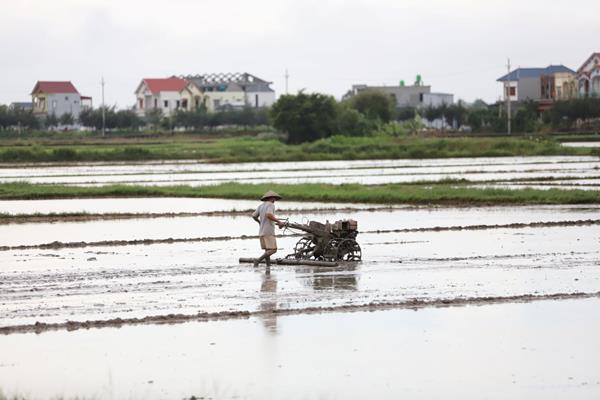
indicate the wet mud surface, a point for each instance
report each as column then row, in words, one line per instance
column 413, row 258
column 364, row 172
column 517, row 350
column 413, row 304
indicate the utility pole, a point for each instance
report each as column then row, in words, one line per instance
column 103, row 109
column 508, row 111
column 287, row 76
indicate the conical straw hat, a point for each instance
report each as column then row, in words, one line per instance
column 270, row 193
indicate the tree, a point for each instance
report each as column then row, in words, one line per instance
column 406, row 114
column 350, row 122
column 526, row 118
column 564, row 114
column 122, row 119
column 153, row 117
column 374, row 105
column 51, row 121
column 67, row 119
column 456, row 114
column 305, row 117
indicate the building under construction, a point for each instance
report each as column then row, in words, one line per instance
column 233, row 90
column 418, row 95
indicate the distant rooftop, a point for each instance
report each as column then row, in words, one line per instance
column 51, row 87
column 23, row 105
column 534, row 72
column 158, row 85
column 225, row 77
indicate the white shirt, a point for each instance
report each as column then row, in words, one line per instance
column 267, row 227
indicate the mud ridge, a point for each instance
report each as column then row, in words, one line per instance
column 516, row 225
column 414, row 304
column 113, row 243
column 6, row 219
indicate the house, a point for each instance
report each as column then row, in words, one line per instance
column 555, row 82
column 435, row 100
column 224, row 91
column 57, row 98
column 164, row 94
column 21, row 105
column 415, row 96
column 588, row 77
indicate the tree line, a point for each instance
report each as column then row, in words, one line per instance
column 308, row 117
column 123, row 120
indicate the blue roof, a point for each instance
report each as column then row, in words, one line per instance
column 534, row 72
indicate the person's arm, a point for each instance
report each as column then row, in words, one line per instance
column 273, row 218
column 271, row 215
column 255, row 216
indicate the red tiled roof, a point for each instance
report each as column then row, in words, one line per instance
column 54, row 87
column 165, row 85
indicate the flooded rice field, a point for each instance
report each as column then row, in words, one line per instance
column 581, row 144
column 540, row 350
column 146, row 299
column 503, row 169
column 94, row 271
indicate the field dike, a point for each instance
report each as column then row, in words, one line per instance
column 413, row 304
column 113, row 243
column 7, row 219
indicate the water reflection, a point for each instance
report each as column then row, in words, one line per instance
column 344, row 277
column 268, row 301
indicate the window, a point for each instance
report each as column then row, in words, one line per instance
column 140, row 103
column 155, row 103
column 511, row 91
column 177, row 104
column 166, row 103
column 184, row 104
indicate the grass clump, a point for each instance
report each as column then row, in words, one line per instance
column 251, row 149
column 444, row 193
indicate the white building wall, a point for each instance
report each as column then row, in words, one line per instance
column 167, row 102
column 64, row 103
column 219, row 99
column 513, row 84
column 260, row 99
column 437, row 99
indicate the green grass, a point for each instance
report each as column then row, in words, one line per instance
column 352, row 193
column 250, row 149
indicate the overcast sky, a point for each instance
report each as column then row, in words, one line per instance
column 458, row 46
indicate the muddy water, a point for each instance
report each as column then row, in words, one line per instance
column 532, row 351
column 581, row 144
column 100, row 283
column 153, row 205
column 238, row 225
column 365, row 172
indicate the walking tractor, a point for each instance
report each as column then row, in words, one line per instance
column 326, row 242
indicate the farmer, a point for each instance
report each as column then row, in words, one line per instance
column 265, row 216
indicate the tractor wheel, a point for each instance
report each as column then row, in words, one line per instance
column 349, row 250
column 304, row 249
